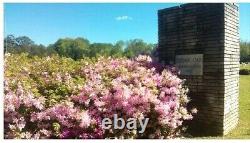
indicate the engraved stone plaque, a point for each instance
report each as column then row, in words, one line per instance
column 190, row 64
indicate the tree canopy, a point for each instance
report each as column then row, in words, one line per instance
column 245, row 51
column 136, row 47
column 74, row 48
column 77, row 48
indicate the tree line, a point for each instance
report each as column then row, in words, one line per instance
column 245, row 51
column 77, row 48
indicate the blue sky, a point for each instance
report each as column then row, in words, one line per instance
column 45, row 23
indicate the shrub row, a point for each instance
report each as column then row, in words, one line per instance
column 56, row 97
column 244, row 71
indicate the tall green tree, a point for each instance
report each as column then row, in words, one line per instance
column 18, row 44
column 24, row 41
column 136, row 47
column 9, row 43
column 244, row 51
column 74, row 48
column 100, row 49
column 118, row 49
column 23, row 44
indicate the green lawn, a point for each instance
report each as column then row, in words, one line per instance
column 243, row 128
column 242, row 131
column 245, row 66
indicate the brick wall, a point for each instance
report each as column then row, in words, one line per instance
column 231, row 66
column 211, row 30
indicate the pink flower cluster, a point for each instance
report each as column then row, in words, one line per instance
column 16, row 105
column 135, row 89
column 131, row 88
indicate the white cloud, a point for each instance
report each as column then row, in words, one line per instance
column 124, row 17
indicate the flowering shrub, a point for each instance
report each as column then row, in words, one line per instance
column 57, row 97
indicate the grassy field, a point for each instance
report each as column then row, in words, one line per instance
column 242, row 131
column 243, row 128
column 247, row 66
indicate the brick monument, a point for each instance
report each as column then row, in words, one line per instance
column 203, row 41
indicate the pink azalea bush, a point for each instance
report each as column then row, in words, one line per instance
column 57, row 97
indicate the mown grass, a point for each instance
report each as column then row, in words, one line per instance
column 246, row 66
column 242, row 131
column 243, row 128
